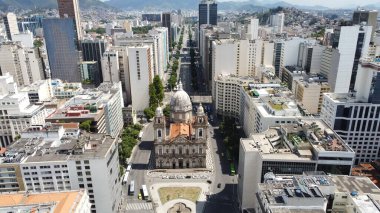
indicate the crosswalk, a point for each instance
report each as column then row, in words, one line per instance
column 139, row 206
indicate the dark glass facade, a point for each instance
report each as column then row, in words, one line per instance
column 60, row 45
column 166, row 22
column 30, row 23
column 93, row 51
column 208, row 13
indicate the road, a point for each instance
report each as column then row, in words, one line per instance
column 141, row 161
column 222, row 199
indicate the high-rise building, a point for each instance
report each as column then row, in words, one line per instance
column 369, row 17
column 10, row 22
column 70, row 9
column 253, row 29
column 278, row 56
column 93, row 50
column 141, row 75
column 208, row 12
column 350, row 43
column 355, row 116
column 24, row 64
column 166, row 22
column 277, row 22
column 60, row 44
column 310, row 56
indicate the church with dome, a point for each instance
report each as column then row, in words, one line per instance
column 180, row 141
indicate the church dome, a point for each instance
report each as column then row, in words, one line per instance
column 180, row 101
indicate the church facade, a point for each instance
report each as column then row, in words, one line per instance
column 180, row 141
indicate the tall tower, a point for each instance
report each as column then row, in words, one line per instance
column 60, row 45
column 207, row 14
column 159, row 126
column 200, row 124
column 368, row 17
column 70, row 9
column 166, row 22
column 10, row 22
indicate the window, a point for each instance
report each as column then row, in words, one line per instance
column 77, row 162
column 81, row 186
column 88, row 173
column 86, row 162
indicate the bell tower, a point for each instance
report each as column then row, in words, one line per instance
column 200, row 123
column 159, row 126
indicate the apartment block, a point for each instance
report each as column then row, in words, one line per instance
column 60, row 163
column 308, row 145
column 102, row 106
column 16, row 111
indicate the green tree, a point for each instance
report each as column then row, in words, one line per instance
column 85, row 125
column 167, row 111
column 152, row 95
column 38, row 43
column 159, row 88
column 149, row 112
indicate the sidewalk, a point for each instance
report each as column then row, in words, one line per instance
column 163, row 208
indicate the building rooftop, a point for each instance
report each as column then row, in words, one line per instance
column 88, row 145
column 306, row 193
column 179, row 129
column 360, row 185
column 57, row 202
column 299, row 141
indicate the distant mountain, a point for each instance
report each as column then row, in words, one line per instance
column 31, row 4
column 153, row 4
column 193, row 4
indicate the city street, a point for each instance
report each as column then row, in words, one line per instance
column 222, row 194
column 141, row 162
column 221, row 199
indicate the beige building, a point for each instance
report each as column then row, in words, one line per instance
column 310, row 95
column 182, row 142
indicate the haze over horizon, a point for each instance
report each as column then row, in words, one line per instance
column 326, row 3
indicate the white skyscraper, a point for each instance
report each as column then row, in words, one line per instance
column 277, row 22
column 10, row 22
column 253, row 29
column 141, row 75
column 350, row 43
column 110, row 66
